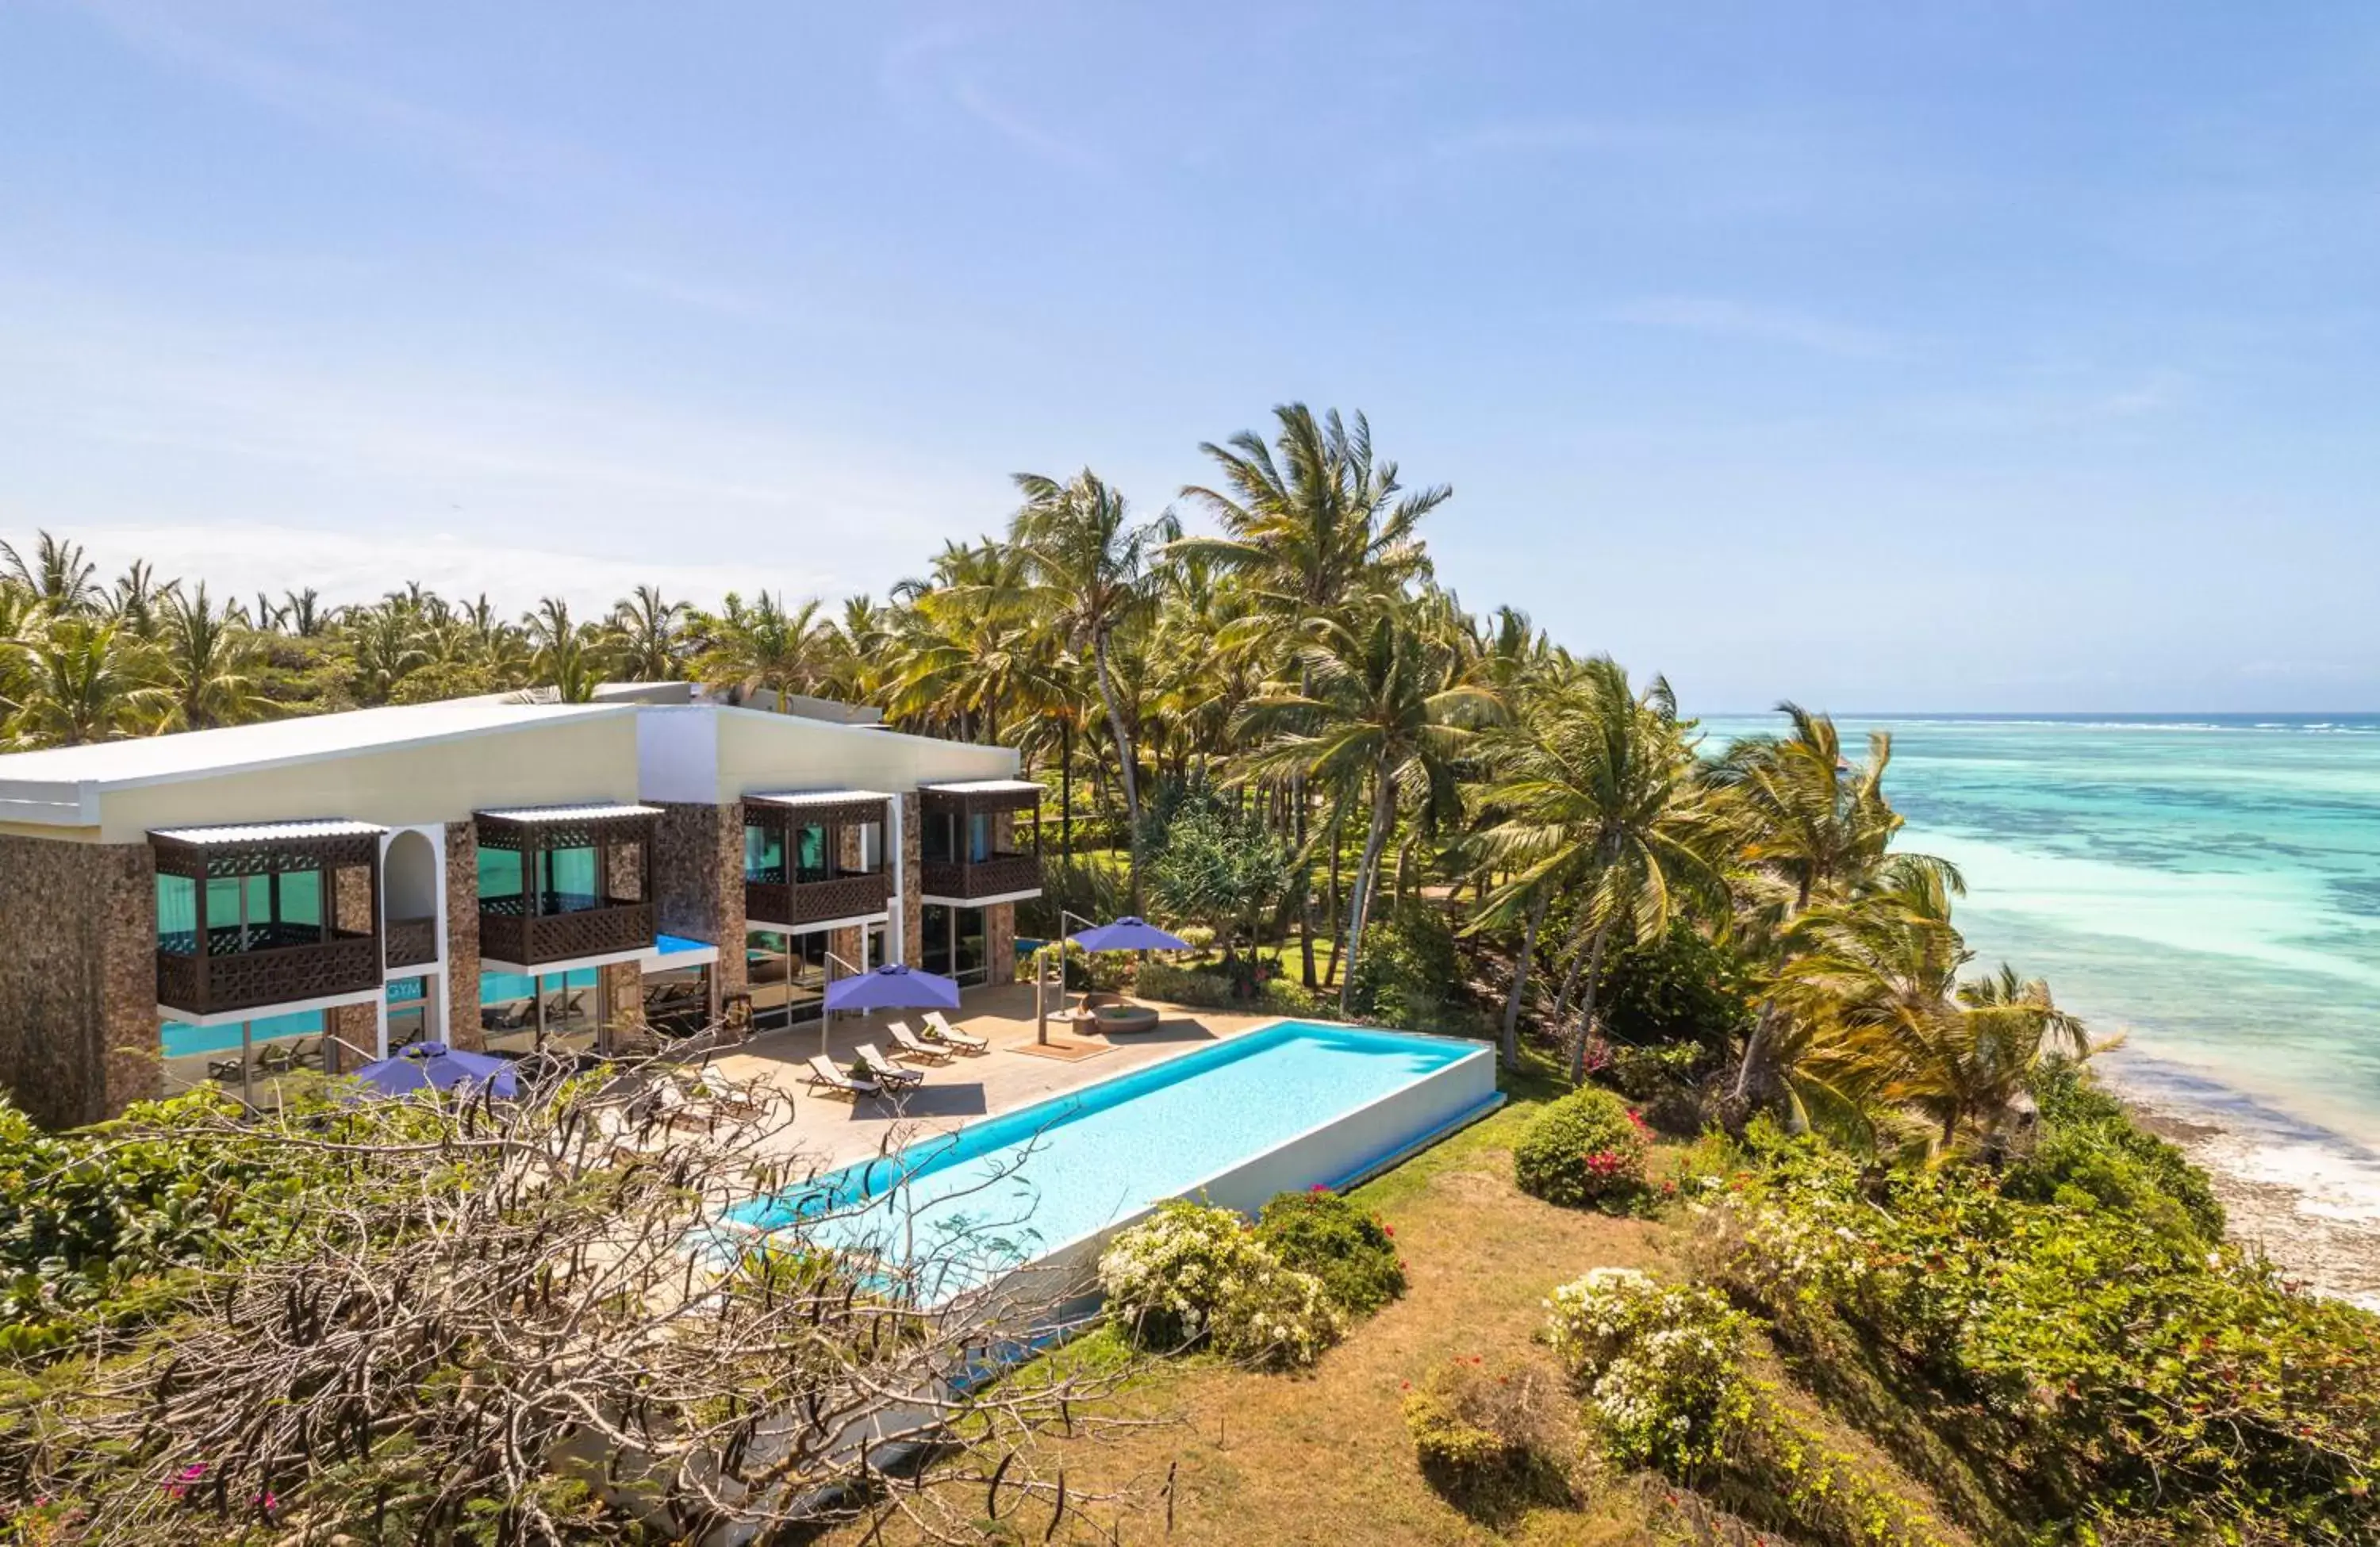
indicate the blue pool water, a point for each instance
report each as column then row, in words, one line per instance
column 1010, row 1189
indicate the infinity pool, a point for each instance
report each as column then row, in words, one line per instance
column 1281, row 1109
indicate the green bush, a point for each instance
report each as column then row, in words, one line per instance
column 2117, row 1371
column 1348, row 1248
column 1214, row 988
column 1191, row 1275
column 1409, row 973
column 1679, row 987
column 2089, row 1150
column 1587, row 1149
column 1481, row 1428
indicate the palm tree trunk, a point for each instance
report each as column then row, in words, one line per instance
column 1338, row 909
column 1367, row 875
column 1511, row 1050
column 1066, row 788
column 1124, row 763
column 1586, row 1005
column 1305, row 881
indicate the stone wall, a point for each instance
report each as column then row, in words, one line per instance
column 463, row 935
column 77, row 978
column 356, row 1027
column 1000, row 942
column 912, row 880
column 699, row 881
column 624, row 993
column 351, row 899
column 627, row 879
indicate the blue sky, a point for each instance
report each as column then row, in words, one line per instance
column 2011, row 356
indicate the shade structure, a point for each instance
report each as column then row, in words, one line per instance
column 1128, row 933
column 436, row 1066
column 893, row 986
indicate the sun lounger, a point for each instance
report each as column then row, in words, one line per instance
column 940, row 1030
column 873, row 1059
column 906, row 1045
column 825, row 1076
column 224, row 1071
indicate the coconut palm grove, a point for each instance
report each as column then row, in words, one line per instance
column 1797, row 1223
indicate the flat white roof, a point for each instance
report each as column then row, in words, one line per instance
column 986, row 786
column 570, row 813
column 194, row 754
column 262, row 833
column 818, row 796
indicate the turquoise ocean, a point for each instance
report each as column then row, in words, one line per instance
column 2207, row 885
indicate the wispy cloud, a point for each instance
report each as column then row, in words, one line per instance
column 1722, row 318
column 938, row 64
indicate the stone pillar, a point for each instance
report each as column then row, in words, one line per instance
column 627, row 879
column 624, row 993
column 699, row 881
column 462, row 936
column 79, row 1022
column 351, row 899
column 912, row 880
column 356, row 1027
column 1000, row 942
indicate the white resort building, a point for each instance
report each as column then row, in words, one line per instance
column 233, row 906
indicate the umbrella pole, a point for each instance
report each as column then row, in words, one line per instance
column 1041, row 999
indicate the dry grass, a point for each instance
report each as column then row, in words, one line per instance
column 1324, row 1458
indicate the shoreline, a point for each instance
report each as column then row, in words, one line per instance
column 2305, row 1196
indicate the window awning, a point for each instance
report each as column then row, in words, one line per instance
column 537, row 814
column 983, row 795
column 818, row 796
column 238, row 833
column 816, row 806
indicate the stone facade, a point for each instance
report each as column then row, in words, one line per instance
column 463, row 935
column 1000, row 942
column 79, row 979
column 351, row 899
column 356, row 1027
column 699, row 881
column 913, row 869
column 623, row 995
column 627, row 879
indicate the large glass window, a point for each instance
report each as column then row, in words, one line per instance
column 677, row 1000
column 764, row 853
column 938, row 837
column 956, row 944
column 500, row 874
column 811, row 860
column 568, row 881
column 766, row 974
column 519, row 1013
column 978, row 830
column 248, row 1059
column 244, row 913
column 408, row 1012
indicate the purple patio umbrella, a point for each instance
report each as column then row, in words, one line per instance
column 1127, row 933
column 894, row 986
column 436, row 1066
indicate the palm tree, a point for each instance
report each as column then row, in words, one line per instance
column 1087, row 565
column 207, row 661
column 302, row 614
column 1876, row 989
column 388, row 642
column 1601, row 803
column 57, row 575
column 137, row 599
column 651, row 634
column 86, row 680
column 766, row 647
column 1371, row 715
column 1811, row 827
column 1310, row 524
column 571, row 657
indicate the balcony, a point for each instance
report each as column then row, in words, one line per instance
column 512, row 936
column 260, row 915
column 262, row 965
column 850, row 894
column 412, row 941
column 996, row 875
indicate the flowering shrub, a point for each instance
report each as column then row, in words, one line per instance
column 1478, row 1425
column 1662, row 1366
column 1193, row 1274
column 1348, row 1248
column 1587, row 1147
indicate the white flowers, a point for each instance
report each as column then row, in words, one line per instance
column 1662, row 1365
column 1191, row 1274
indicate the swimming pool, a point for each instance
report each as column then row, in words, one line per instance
column 1282, row 1109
